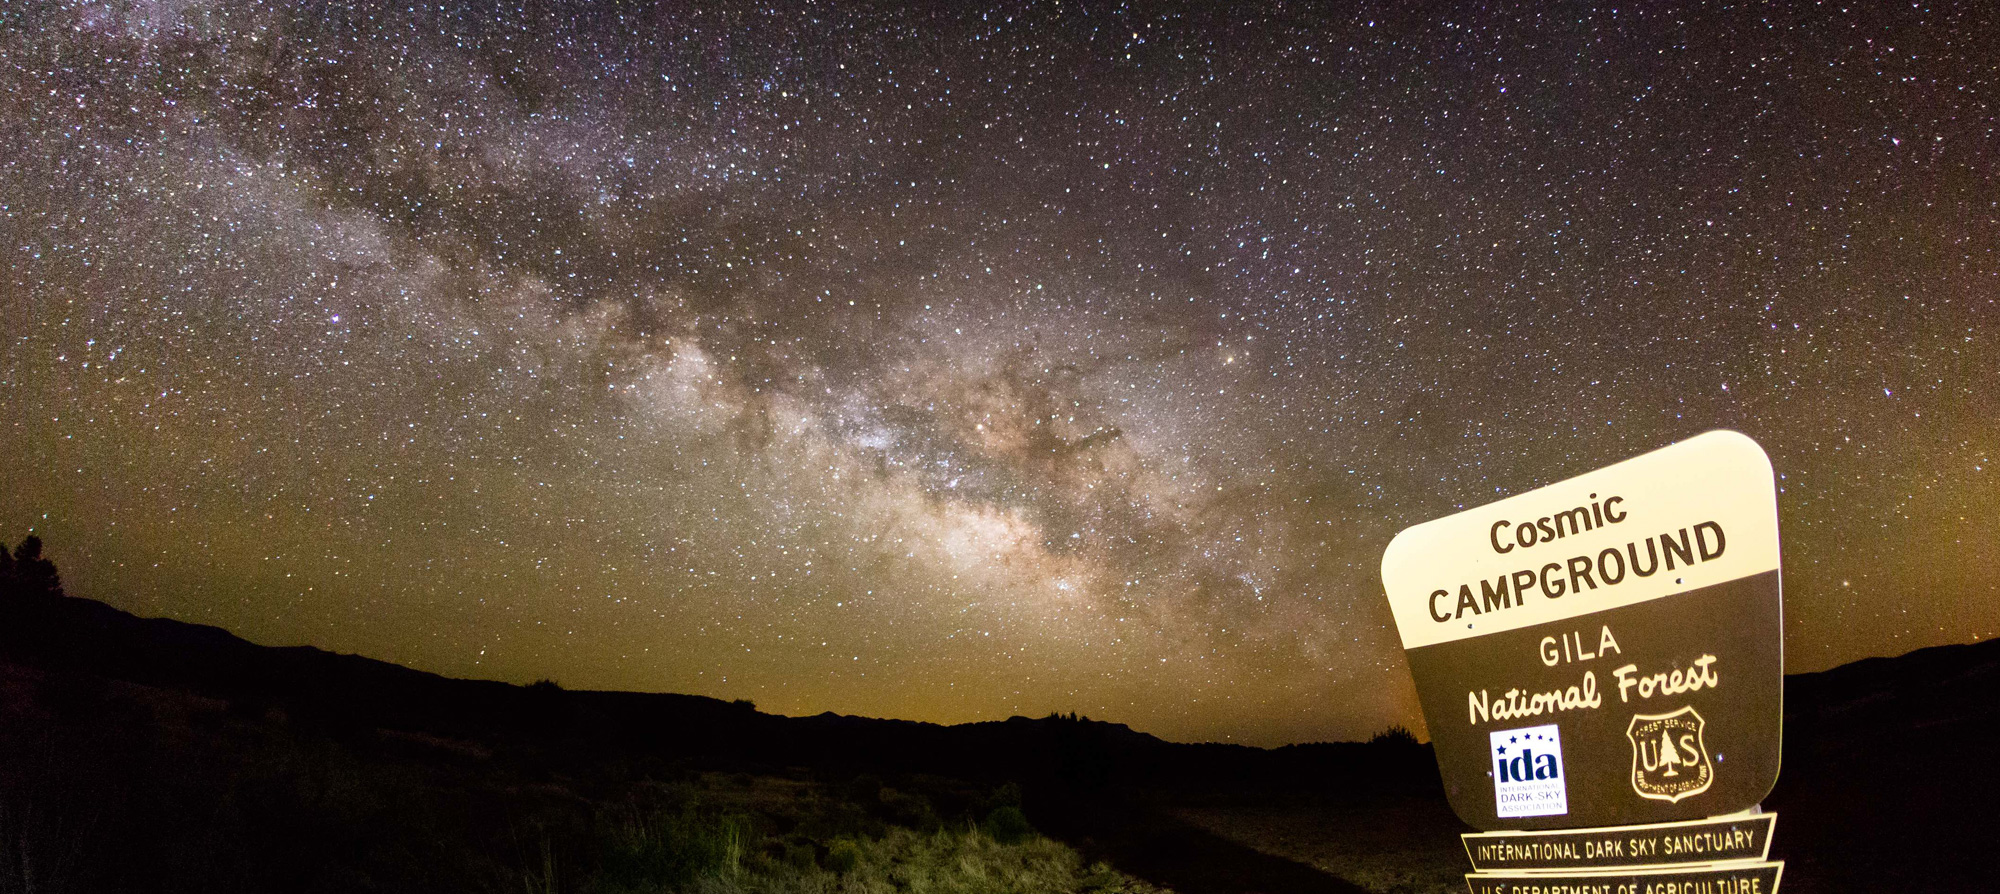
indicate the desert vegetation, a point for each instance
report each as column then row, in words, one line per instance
column 108, row 785
column 228, row 784
column 771, row 835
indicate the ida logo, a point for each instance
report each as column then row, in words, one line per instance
column 1528, row 774
column 1669, row 757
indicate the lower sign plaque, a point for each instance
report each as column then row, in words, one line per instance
column 1721, row 839
column 1739, row 878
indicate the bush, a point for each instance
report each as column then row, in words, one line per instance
column 842, row 857
column 670, row 851
column 1007, row 825
column 798, row 855
column 1008, row 794
column 908, row 809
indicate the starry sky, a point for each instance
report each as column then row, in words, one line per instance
column 947, row 362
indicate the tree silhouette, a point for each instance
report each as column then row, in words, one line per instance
column 1397, row 736
column 26, row 572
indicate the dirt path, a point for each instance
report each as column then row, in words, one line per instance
column 1171, row 852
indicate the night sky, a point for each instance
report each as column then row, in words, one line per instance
column 949, row 364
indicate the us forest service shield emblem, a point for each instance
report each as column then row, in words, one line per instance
column 1669, row 759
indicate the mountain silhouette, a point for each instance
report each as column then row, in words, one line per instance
column 1889, row 762
column 353, row 692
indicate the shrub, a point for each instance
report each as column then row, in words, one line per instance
column 671, row 851
column 799, row 855
column 842, row 857
column 1007, row 825
column 908, row 809
column 1008, row 794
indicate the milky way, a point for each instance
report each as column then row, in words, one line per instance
column 955, row 363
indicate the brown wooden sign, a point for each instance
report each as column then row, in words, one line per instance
column 1606, row 650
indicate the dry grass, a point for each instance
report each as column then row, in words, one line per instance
column 942, row 862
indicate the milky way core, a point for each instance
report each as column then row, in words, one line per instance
column 953, row 363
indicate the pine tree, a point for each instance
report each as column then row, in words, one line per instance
column 28, row 574
column 1670, row 757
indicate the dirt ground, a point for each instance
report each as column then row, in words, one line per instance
column 1409, row 847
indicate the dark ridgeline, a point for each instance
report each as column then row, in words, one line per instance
column 349, row 695
column 1892, row 773
column 178, row 756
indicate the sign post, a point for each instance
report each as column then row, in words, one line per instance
column 1606, row 651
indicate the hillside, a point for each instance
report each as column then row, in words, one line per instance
column 1885, row 761
column 349, row 692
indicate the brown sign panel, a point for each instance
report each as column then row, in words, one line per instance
column 1606, row 650
column 1738, row 878
column 1661, row 844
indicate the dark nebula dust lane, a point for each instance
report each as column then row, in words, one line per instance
column 951, row 362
